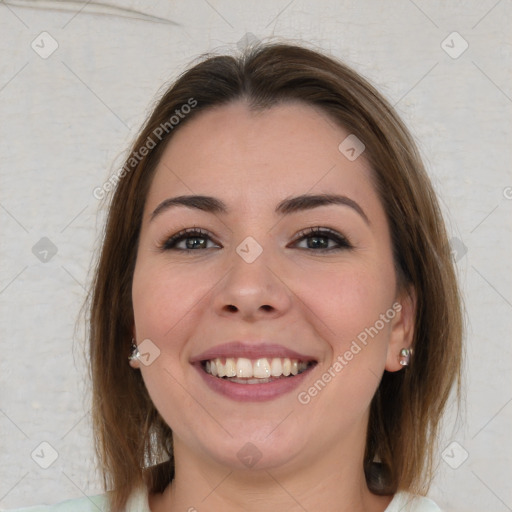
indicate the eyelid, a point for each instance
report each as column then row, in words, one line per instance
column 343, row 242
column 181, row 235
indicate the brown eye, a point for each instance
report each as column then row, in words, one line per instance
column 194, row 239
column 318, row 239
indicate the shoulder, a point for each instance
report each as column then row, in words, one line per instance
column 138, row 502
column 85, row 504
column 407, row 502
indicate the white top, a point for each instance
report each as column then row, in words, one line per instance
column 138, row 502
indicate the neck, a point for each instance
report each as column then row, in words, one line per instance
column 329, row 483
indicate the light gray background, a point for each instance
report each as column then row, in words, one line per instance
column 67, row 120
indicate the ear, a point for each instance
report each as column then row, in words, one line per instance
column 134, row 363
column 402, row 328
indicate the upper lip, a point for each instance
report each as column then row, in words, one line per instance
column 250, row 350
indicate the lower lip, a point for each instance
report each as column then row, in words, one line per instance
column 253, row 392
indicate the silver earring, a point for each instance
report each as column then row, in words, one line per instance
column 405, row 356
column 134, row 351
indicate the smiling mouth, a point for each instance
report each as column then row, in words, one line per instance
column 241, row 370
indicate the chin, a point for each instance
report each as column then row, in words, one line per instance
column 253, row 451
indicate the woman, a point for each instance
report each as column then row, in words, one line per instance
column 276, row 267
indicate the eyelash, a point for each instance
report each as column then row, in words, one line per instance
column 186, row 234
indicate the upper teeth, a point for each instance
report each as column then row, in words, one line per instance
column 263, row 368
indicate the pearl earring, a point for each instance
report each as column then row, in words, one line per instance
column 405, row 356
column 134, row 352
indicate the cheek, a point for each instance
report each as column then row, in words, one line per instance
column 166, row 299
column 346, row 309
column 165, row 303
column 344, row 302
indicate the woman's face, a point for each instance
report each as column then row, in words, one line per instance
column 260, row 296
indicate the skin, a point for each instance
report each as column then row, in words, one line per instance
column 311, row 301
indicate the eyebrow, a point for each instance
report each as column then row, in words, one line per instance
column 287, row 206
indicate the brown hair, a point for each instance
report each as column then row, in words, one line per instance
column 132, row 440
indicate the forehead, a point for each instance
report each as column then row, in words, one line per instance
column 256, row 157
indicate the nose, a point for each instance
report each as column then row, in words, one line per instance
column 253, row 291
